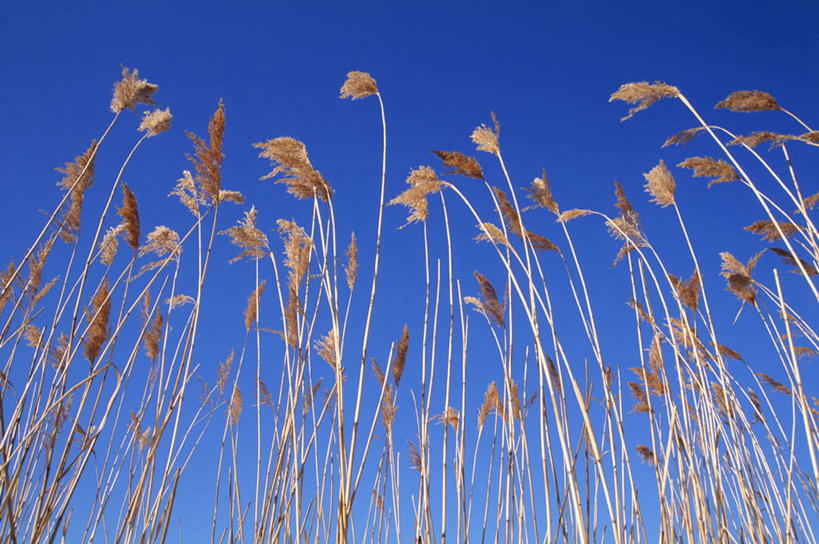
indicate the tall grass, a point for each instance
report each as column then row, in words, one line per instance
column 687, row 441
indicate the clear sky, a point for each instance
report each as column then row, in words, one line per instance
column 545, row 68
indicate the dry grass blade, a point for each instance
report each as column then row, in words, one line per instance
column 458, row 163
column 130, row 217
column 660, row 185
column 131, row 91
column 291, row 162
column 399, row 361
column 707, row 167
column 358, row 85
column 245, row 236
column 208, row 156
column 423, row 182
column 749, row 101
column 768, row 230
column 250, row 312
column 98, row 321
column 77, row 177
column 643, row 94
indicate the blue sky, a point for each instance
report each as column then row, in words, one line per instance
column 546, row 69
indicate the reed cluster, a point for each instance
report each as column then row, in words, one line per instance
column 106, row 396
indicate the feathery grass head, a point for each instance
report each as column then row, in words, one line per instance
column 77, row 177
column 188, row 193
column 110, row 244
column 358, row 85
column 130, row 217
column 207, row 157
column 626, row 226
column 760, row 137
column 458, row 163
column 130, row 91
column 291, row 160
column 235, row 406
column 487, row 139
column 489, row 303
column 161, row 241
column 660, row 185
column 423, row 182
column 153, row 335
column 707, row 167
column 253, row 301
column 156, row 122
column 749, row 101
column 769, row 231
column 643, row 94
column 98, row 321
column 351, row 268
column 738, row 276
column 541, row 194
column 400, row 359
column 247, row 237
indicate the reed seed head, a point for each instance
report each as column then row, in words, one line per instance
column 130, row 91
column 156, row 122
column 245, row 236
column 358, row 85
column 749, row 101
column 458, row 163
column 660, row 185
column 707, row 167
column 643, row 94
column 291, row 162
column 130, row 217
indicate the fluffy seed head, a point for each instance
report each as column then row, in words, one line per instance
column 358, row 85
column 643, row 94
column 98, row 321
column 707, row 167
column 749, row 101
column 486, row 139
column 660, row 185
column 247, row 237
column 130, row 217
column 423, row 182
column 77, row 177
column 156, row 122
column 458, row 163
column 130, row 91
column 400, row 359
column 290, row 159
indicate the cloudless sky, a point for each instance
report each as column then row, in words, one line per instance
column 546, row 69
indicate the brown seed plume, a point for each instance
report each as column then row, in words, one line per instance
column 760, row 137
column 768, row 230
column 223, row 372
column 358, row 85
column 683, row 137
column 291, row 161
column 252, row 304
column 541, row 194
column 787, row 258
column 153, row 335
column 130, row 217
column 490, row 303
column 643, row 94
column 264, row 395
column 351, row 268
column 110, row 244
column 738, row 276
column 98, row 321
column 458, row 163
column 326, row 348
column 187, row 192
column 646, row 454
column 660, row 185
column 486, row 139
column 773, row 384
column 707, row 167
column 422, row 182
column 130, row 91
column 77, row 177
column 749, row 101
column 245, row 236
column 400, row 358
column 207, row 157
column 688, row 292
column 491, row 401
column 491, row 233
column 235, row 407
column 626, row 227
